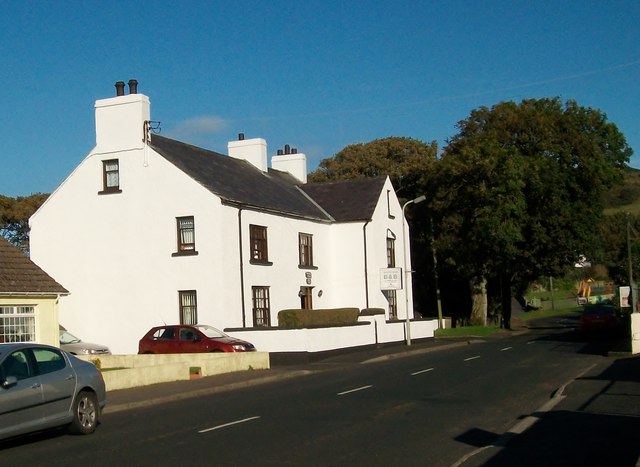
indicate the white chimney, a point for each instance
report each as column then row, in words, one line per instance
column 252, row 150
column 120, row 120
column 292, row 161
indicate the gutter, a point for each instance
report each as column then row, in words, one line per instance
column 35, row 294
column 241, row 205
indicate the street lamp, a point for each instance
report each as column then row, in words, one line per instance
column 407, row 273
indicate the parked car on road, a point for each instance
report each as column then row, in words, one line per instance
column 190, row 339
column 76, row 346
column 599, row 319
column 44, row 387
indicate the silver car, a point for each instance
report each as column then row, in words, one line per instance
column 76, row 346
column 44, row 387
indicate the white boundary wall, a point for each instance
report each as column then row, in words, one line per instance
column 370, row 330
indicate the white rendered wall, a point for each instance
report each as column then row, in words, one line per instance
column 113, row 252
column 284, row 277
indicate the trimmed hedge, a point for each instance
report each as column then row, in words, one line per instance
column 372, row 311
column 291, row 319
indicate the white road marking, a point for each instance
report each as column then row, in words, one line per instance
column 354, row 390
column 471, row 358
column 228, row 424
column 422, row 371
column 506, row 348
column 531, row 342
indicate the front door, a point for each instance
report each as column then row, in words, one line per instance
column 306, row 298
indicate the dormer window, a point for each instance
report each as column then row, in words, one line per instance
column 110, row 177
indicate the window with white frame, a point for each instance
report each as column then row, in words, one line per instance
column 17, row 323
column 188, row 306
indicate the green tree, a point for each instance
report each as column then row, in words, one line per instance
column 406, row 161
column 14, row 217
column 519, row 191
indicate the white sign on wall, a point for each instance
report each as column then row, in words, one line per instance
column 390, row 278
column 625, row 291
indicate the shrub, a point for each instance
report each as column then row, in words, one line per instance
column 97, row 362
column 291, row 319
column 372, row 311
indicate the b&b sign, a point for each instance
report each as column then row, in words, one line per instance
column 390, row 278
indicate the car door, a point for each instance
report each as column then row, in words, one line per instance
column 58, row 381
column 20, row 395
column 189, row 341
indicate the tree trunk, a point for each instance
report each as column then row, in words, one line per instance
column 505, row 293
column 479, row 302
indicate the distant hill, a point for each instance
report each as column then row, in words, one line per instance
column 625, row 197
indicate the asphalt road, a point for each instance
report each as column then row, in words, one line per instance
column 427, row 408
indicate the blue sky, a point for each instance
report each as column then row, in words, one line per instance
column 317, row 75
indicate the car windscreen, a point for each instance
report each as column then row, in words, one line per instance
column 211, row 332
column 68, row 338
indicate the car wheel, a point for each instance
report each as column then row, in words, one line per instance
column 85, row 413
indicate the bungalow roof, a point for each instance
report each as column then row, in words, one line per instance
column 20, row 275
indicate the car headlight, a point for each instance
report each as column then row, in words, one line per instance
column 238, row 347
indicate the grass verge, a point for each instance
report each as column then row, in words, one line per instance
column 467, row 331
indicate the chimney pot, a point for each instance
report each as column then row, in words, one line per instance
column 280, row 152
column 240, row 136
column 287, row 149
column 294, row 150
column 133, row 86
column 119, row 88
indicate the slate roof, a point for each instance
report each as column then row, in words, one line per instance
column 347, row 200
column 237, row 181
column 20, row 275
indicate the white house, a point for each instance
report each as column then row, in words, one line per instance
column 148, row 230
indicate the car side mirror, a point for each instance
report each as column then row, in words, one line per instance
column 9, row 381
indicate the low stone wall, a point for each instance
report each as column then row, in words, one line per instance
column 127, row 371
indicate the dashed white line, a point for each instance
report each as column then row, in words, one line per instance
column 506, row 348
column 354, row 390
column 421, row 371
column 228, row 424
column 471, row 358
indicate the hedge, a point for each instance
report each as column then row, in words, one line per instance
column 329, row 317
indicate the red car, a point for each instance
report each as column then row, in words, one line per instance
column 599, row 319
column 182, row 338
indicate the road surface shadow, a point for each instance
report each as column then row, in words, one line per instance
column 597, row 424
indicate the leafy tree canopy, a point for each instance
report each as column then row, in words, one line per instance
column 14, row 217
column 519, row 189
column 406, row 161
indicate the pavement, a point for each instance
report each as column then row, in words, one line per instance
column 593, row 419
